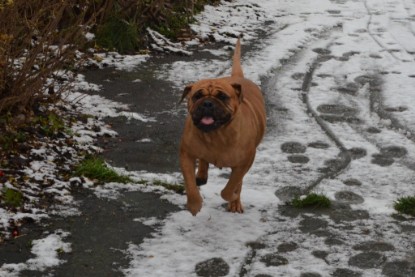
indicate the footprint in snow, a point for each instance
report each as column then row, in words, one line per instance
column 373, row 130
column 348, row 197
column 318, row 145
column 298, row 159
column 382, row 160
column 352, row 182
column 293, row 147
column 396, row 109
column 357, row 152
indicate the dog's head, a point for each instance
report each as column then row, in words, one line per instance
column 212, row 103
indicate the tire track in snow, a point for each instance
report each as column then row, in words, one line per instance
column 408, row 9
column 372, row 35
column 406, row 51
column 326, row 37
column 344, row 156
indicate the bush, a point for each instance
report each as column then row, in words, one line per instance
column 37, row 38
column 123, row 23
column 118, row 34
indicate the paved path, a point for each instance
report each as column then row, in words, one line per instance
column 338, row 78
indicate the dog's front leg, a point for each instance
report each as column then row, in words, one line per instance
column 188, row 166
column 202, row 172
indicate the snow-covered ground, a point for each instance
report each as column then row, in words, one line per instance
column 337, row 75
column 358, row 56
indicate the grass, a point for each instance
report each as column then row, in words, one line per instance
column 50, row 124
column 95, row 168
column 313, row 200
column 12, row 198
column 405, row 205
column 9, row 140
column 178, row 188
column 13, row 132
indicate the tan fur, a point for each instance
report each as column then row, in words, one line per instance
column 231, row 145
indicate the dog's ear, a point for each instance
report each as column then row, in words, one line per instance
column 238, row 89
column 186, row 91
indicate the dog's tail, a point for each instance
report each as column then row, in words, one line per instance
column 236, row 63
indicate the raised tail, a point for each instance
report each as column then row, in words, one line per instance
column 236, row 63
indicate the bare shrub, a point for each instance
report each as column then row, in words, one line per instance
column 37, row 38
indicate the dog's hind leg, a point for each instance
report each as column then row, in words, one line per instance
column 232, row 190
column 202, row 173
column 235, row 206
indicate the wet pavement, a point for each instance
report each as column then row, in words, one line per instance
column 101, row 233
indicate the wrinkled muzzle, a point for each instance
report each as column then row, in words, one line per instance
column 208, row 115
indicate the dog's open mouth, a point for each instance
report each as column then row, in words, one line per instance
column 207, row 120
column 208, row 123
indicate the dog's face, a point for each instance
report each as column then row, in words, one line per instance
column 212, row 103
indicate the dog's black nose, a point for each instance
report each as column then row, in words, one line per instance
column 208, row 104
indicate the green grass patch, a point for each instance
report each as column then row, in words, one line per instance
column 12, row 198
column 405, row 205
column 313, row 200
column 9, row 140
column 50, row 124
column 178, row 188
column 95, row 168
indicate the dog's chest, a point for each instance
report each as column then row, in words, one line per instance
column 222, row 155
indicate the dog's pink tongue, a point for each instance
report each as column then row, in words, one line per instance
column 207, row 120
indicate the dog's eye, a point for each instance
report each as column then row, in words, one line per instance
column 222, row 96
column 198, row 95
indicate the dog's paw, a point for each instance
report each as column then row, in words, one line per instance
column 235, row 207
column 201, row 181
column 229, row 195
column 194, row 205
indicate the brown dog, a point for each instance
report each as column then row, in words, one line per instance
column 226, row 122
